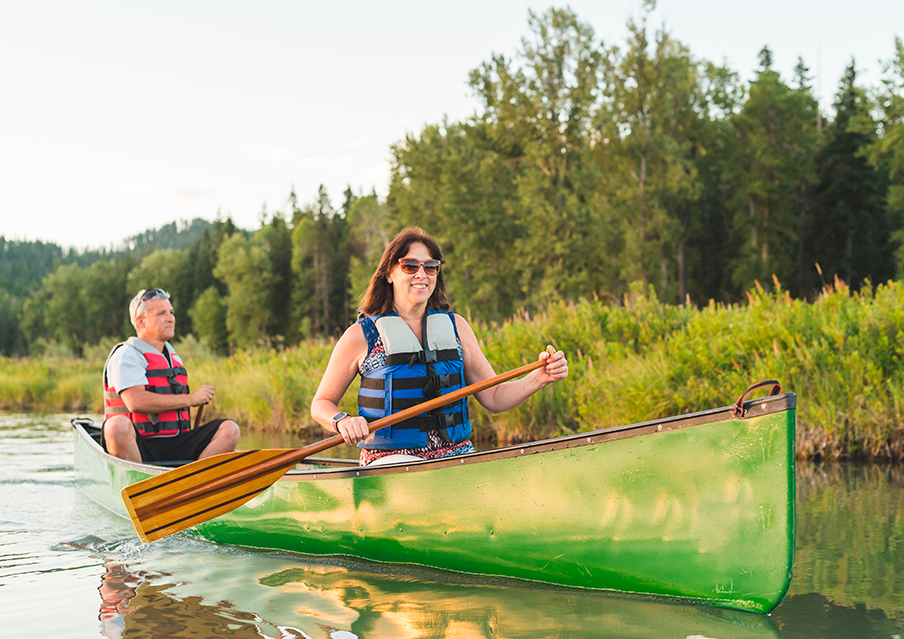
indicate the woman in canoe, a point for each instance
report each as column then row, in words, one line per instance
column 408, row 347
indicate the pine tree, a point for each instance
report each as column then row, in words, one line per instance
column 320, row 263
column 276, row 238
column 887, row 152
column 777, row 141
column 850, row 236
column 368, row 235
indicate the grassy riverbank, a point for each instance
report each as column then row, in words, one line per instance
column 841, row 354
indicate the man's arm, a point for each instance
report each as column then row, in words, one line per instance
column 126, row 372
column 139, row 400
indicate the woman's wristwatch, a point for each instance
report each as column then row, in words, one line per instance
column 338, row 417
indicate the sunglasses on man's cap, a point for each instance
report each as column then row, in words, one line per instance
column 149, row 294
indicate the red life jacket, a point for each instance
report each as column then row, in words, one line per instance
column 162, row 378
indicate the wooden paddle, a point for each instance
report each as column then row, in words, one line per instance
column 198, row 415
column 199, row 491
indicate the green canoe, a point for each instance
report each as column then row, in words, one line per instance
column 699, row 507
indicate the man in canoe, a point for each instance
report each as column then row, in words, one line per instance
column 408, row 340
column 146, row 393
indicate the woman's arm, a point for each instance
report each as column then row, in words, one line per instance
column 505, row 396
column 340, row 371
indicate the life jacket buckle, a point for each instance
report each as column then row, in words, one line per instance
column 431, row 388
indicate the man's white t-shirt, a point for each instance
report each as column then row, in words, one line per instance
column 127, row 368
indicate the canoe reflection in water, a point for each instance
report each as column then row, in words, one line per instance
column 191, row 591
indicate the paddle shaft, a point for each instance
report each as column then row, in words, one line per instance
column 429, row 405
column 198, row 415
column 202, row 490
column 292, row 457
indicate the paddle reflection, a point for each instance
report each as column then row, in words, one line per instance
column 243, row 594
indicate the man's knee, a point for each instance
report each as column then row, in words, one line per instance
column 118, row 428
column 229, row 431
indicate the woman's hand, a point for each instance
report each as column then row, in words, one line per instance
column 556, row 368
column 355, row 429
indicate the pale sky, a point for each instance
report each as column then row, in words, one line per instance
column 117, row 116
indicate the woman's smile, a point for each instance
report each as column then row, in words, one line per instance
column 418, row 286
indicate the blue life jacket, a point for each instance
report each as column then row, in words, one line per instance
column 411, row 375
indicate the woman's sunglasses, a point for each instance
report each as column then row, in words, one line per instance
column 410, row 266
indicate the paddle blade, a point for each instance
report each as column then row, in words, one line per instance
column 194, row 493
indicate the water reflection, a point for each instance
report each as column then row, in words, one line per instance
column 815, row 615
column 848, row 577
column 155, row 613
column 137, row 603
column 117, row 588
column 849, row 558
column 849, row 551
column 419, row 605
column 292, row 596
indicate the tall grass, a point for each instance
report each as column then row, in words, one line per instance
column 633, row 362
column 840, row 354
column 49, row 384
column 269, row 388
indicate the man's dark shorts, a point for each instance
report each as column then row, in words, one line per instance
column 185, row 447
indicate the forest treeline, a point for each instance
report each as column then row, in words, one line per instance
column 587, row 167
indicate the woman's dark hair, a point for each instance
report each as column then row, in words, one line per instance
column 378, row 298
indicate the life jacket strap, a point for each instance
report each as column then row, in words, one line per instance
column 175, row 389
column 398, row 403
column 430, row 421
column 413, row 383
column 172, row 371
column 422, row 357
column 155, row 426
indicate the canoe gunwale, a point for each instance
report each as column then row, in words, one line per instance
column 752, row 408
column 78, row 424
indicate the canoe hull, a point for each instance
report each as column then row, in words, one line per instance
column 699, row 507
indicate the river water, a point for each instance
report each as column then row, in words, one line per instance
column 69, row 568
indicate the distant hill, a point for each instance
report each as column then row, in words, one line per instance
column 175, row 235
column 23, row 264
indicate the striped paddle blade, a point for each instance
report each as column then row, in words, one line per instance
column 180, row 498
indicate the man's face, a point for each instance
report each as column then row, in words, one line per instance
column 159, row 321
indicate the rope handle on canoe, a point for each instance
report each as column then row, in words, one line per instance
column 738, row 410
